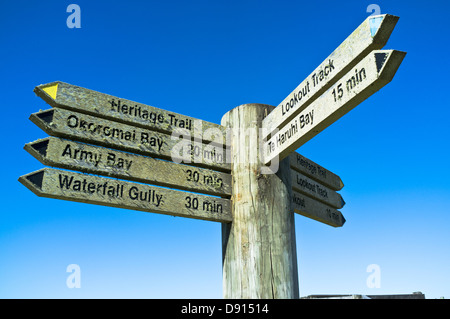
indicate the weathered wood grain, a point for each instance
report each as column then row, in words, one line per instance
column 103, row 191
column 57, row 152
column 315, row 171
column 364, row 79
column 313, row 189
column 316, row 210
column 75, row 98
column 259, row 247
column 90, row 129
column 372, row 34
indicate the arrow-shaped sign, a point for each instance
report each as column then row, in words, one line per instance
column 77, row 156
column 75, row 98
column 316, row 210
column 313, row 189
column 372, row 34
column 87, row 128
column 84, row 188
column 368, row 76
column 315, row 171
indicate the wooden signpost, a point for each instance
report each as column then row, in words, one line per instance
column 371, row 35
column 83, row 188
column 87, row 128
column 310, row 187
column 75, row 98
column 316, row 210
column 368, row 76
column 215, row 172
column 77, row 156
column 307, row 167
column 311, row 196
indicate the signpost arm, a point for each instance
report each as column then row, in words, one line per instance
column 259, row 248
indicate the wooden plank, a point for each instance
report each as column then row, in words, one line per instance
column 75, row 98
column 103, row 191
column 367, row 77
column 313, row 189
column 372, row 34
column 259, row 252
column 315, row 171
column 316, row 210
column 90, row 129
column 57, row 152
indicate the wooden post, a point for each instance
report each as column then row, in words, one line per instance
column 259, row 249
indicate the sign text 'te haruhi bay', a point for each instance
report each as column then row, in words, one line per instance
column 372, row 34
column 364, row 79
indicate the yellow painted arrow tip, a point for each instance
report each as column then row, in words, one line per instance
column 51, row 90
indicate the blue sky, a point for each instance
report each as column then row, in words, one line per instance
column 203, row 58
